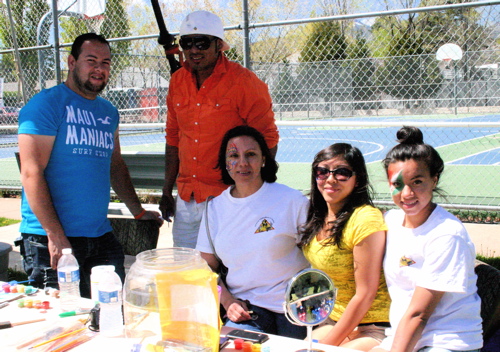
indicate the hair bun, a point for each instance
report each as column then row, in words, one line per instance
column 410, row 135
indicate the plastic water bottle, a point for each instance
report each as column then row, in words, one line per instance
column 110, row 301
column 95, row 278
column 68, row 273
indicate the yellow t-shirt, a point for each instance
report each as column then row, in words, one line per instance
column 339, row 263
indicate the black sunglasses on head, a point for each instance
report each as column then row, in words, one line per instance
column 201, row 42
column 340, row 174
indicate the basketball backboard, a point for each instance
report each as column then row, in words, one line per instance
column 448, row 52
column 89, row 8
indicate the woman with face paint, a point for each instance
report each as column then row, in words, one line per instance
column 345, row 237
column 429, row 262
column 253, row 225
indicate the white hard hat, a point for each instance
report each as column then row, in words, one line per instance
column 204, row 22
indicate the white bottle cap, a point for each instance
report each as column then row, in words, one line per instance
column 67, row 251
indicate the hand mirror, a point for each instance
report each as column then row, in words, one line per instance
column 309, row 300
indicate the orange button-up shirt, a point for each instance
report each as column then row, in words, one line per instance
column 198, row 119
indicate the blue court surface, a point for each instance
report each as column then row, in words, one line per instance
column 463, row 149
column 300, row 144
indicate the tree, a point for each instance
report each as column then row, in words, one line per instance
column 286, row 88
column 409, row 42
column 233, row 55
column 406, row 73
column 325, row 43
column 114, row 23
column 384, row 29
column 268, row 44
column 26, row 15
column 463, row 27
column 362, row 69
column 340, row 7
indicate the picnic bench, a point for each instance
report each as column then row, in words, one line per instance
column 147, row 172
column 147, row 169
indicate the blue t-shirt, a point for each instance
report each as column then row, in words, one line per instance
column 78, row 171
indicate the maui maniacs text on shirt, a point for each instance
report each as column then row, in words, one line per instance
column 89, row 133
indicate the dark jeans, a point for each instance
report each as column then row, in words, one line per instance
column 89, row 252
column 271, row 323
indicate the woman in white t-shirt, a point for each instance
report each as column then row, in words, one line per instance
column 429, row 261
column 253, row 225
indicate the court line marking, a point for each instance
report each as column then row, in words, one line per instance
column 473, row 155
column 467, row 140
column 379, row 145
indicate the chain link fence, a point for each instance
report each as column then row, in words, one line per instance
column 345, row 76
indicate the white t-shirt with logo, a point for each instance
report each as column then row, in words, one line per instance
column 256, row 238
column 438, row 255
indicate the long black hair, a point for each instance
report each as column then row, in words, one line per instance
column 318, row 209
column 268, row 171
column 412, row 147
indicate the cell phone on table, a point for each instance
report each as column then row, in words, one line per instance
column 223, row 342
column 252, row 336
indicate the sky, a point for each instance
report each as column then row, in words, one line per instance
column 365, row 6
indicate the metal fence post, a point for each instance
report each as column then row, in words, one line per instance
column 246, row 37
column 16, row 52
column 57, row 58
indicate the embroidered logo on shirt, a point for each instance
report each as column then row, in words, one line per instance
column 405, row 261
column 265, row 225
column 105, row 121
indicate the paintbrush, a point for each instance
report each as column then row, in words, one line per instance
column 58, row 337
column 8, row 324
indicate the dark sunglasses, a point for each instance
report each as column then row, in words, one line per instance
column 340, row 174
column 201, row 43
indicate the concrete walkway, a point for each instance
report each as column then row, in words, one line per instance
column 486, row 237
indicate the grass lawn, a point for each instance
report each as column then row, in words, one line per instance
column 6, row 222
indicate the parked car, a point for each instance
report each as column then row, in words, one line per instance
column 9, row 115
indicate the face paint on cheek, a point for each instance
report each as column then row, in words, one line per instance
column 398, row 179
column 230, row 162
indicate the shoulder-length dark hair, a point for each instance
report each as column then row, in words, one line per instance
column 318, row 209
column 270, row 169
column 412, row 147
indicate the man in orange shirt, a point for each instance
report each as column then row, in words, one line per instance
column 207, row 97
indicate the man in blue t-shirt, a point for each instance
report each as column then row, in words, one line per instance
column 70, row 156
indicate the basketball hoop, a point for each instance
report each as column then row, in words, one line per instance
column 94, row 23
column 89, row 8
column 90, row 11
column 446, row 53
column 449, row 52
column 447, row 62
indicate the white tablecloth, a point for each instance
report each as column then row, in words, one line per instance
column 12, row 337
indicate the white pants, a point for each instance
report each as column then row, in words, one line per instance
column 187, row 221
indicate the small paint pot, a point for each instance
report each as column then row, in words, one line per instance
column 256, row 347
column 247, row 346
column 238, row 344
